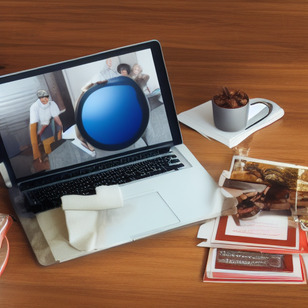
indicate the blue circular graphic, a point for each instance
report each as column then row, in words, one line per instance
column 113, row 115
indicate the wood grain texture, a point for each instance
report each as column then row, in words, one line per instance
column 258, row 46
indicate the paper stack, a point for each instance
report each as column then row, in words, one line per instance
column 266, row 240
column 265, row 249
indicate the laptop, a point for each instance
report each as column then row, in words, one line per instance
column 46, row 144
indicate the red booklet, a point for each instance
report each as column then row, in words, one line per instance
column 265, row 233
column 227, row 265
column 295, row 240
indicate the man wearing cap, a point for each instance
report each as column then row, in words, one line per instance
column 45, row 124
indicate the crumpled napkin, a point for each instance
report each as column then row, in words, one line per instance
column 82, row 213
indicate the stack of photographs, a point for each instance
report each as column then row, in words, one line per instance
column 265, row 239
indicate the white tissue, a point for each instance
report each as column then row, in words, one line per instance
column 107, row 197
column 82, row 213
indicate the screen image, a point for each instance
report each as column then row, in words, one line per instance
column 38, row 123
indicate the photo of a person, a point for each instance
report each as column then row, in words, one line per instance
column 45, row 125
column 140, row 78
column 124, row 69
column 108, row 72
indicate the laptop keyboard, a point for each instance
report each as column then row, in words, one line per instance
column 49, row 196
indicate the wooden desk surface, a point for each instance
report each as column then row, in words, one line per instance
column 258, row 46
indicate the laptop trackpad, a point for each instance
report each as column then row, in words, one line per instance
column 142, row 216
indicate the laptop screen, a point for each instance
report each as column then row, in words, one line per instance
column 86, row 109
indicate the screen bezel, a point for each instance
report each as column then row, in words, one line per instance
column 163, row 80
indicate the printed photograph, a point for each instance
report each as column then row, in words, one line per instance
column 264, row 186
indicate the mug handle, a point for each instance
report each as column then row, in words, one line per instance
column 270, row 109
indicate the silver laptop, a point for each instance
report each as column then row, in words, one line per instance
column 99, row 115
